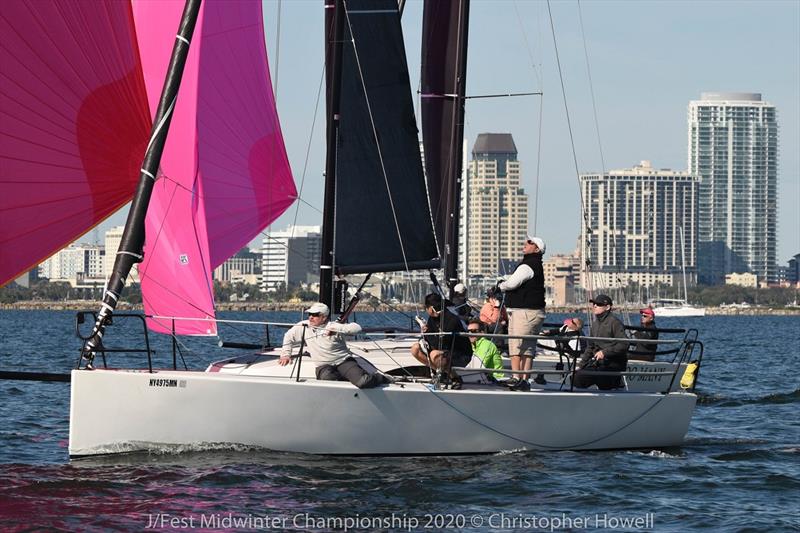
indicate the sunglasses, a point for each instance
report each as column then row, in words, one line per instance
column 529, row 242
column 474, row 330
column 314, row 314
column 598, row 305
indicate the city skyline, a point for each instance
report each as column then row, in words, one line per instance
column 648, row 61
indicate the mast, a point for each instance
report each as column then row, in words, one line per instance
column 456, row 149
column 334, row 26
column 132, row 243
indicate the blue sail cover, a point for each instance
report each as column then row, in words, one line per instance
column 383, row 221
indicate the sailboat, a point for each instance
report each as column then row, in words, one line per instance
column 667, row 307
column 377, row 218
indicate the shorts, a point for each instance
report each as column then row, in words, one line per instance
column 524, row 322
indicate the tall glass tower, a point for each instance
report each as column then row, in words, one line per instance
column 733, row 149
column 496, row 215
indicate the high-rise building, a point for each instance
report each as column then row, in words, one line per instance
column 496, row 214
column 637, row 217
column 113, row 238
column 733, row 149
column 244, row 267
column 290, row 257
column 793, row 270
column 74, row 262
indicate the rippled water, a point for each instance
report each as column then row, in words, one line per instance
column 738, row 470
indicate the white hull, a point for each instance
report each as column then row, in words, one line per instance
column 683, row 310
column 116, row 411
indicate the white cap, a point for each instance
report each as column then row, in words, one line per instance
column 539, row 242
column 460, row 288
column 320, row 308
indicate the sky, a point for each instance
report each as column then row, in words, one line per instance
column 646, row 60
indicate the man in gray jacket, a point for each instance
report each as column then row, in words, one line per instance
column 324, row 340
column 603, row 355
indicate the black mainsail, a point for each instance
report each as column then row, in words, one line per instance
column 444, row 72
column 376, row 217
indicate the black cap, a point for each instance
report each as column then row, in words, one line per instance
column 601, row 299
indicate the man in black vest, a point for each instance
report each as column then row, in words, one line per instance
column 525, row 304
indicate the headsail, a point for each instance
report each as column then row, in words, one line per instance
column 444, row 66
column 382, row 218
column 74, row 123
column 225, row 175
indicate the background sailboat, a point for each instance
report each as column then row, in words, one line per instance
column 665, row 307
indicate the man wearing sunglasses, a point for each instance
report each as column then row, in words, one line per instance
column 524, row 291
column 324, row 341
column 603, row 355
column 484, row 348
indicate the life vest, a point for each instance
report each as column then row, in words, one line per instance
column 529, row 295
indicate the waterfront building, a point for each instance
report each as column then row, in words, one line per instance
column 290, row 257
column 244, row 267
column 745, row 279
column 77, row 261
column 793, row 270
column 561, row 278
column 112, row 239
column 495, row 221
column 733, row 150
column 637, row 217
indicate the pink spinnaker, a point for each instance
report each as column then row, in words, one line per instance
column 74, row 123
column 224, row 174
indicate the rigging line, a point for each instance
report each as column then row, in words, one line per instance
column 538, row 168
column 566, row 106
column 308, row 152
column 591, row 90
column 177, row 339
column 606, row 199
column 545, row 446
column 392, row 359
column 377, row 141
column 584, row 215
column 536, row 71
column 540, row 79
column 500, row 95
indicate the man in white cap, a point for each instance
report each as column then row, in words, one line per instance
column 460, row 302
column 324, row 340
column 524, row 296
